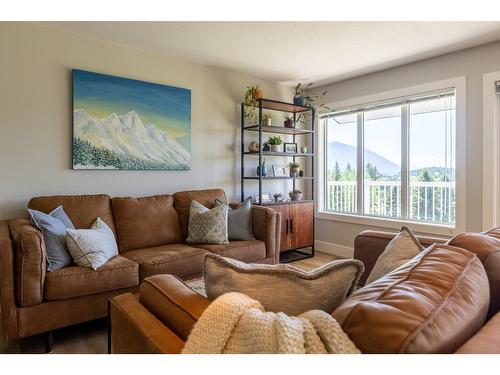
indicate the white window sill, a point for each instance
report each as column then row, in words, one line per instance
column 417, row 226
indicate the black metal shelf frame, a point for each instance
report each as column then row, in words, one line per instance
column 279, row 106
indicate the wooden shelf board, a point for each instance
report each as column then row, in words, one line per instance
column 279, row 178
column 286, row 154
column 286, row 202
column 279, row 130
column 276, row 105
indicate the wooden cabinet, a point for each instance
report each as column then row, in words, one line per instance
column 297, row 221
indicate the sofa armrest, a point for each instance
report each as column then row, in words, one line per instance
column 369, row 244
column 134, row 330
column 173, row 303
column 29, row 262
column 7, row 289
column 266, row 226
column 486, row 341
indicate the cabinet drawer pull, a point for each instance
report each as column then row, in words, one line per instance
column 291, row 225
column 287, row 226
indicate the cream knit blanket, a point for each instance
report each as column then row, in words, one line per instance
column 235, row 323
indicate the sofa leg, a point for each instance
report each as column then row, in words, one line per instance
column 49, row 340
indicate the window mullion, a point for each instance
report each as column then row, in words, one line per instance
column 360, row 163
column 405, row 152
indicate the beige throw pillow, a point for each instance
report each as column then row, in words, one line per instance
column 399, row 251
column 281, row 287
column 207, row 226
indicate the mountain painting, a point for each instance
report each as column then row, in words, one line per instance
column 121, row 123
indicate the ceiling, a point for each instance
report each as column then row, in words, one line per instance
column 289, row 52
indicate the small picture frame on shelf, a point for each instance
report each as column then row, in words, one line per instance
column 279, row 171
column 290, row 148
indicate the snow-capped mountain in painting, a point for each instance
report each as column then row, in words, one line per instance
column 124, row 142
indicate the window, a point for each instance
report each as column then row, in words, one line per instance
column 393, row 159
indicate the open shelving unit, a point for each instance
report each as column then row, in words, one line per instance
column 295, row 241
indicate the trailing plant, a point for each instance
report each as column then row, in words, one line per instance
column 287, row 117
column 250, row 101
column 275, row 141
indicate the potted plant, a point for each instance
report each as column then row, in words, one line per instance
column 288, row 121
column 294, row 169
column 300, row 96
column 262, row 170
column 252, row 94
column 295, row 195
column 266, row 119
column 274, row 142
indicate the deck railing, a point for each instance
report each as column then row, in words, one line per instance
column 428, row 201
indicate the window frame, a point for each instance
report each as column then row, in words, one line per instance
column 459, row 84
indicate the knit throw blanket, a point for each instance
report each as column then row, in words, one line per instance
column 235, row 323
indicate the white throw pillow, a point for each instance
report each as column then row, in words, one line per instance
column 399, row 251
column 92, row 247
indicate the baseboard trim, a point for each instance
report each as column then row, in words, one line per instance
column 334, row 249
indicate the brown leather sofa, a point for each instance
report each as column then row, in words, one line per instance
column 437, row 303
column 150, row 232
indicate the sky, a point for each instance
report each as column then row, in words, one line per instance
column 429, row 132
column 166, row 107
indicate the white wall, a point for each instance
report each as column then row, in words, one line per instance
column 36, row 118
column 472, row 63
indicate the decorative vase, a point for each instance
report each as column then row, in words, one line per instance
column 264, row 171
column 267, row 121
column 294, row 171
column 274, row 148
column 299, row 101
column 266, row 147
column 297, row 196
column 258, row 94
column 303, row 149
column 253, row 147
column 288, row 124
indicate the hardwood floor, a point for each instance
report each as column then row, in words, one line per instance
column 91, row 337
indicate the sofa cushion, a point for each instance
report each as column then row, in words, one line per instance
column 207, row 225
column 282, row 287
column 76, row 281
column 53, row 227
column 81, row 209
column 146, row 222
column 182, row 203
column 245, row 251
column 486, row 246
column 30, row 265
column 175, row 259
column 432, row 304
column 92, row 247
column 400, row 250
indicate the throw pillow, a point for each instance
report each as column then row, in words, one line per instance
column 92, row 247
column 399, row 251
column 239, row 221
column 53, row 227
column 207, row 226
column 282, row 287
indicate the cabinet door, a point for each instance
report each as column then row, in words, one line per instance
column 301, row 224
column 285, row 225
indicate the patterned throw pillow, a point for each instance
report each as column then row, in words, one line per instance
column 239, row 221
column 92, row 247
column 399, row 251
column 207, row 226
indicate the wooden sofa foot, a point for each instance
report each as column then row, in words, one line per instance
column 49, row 340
